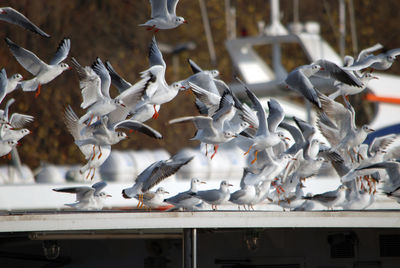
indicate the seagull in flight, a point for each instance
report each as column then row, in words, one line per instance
column 163, row 15
column 43, row 72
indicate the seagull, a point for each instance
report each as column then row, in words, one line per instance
column 145, row 111
column 16, row 120
column 158, row 92
column 215, row 197
column 266, row 136
column 153, row 175
column 344, row 136
column 330, row 70
column 163, row 15
column 6, row 146
column 298, row 80
column 43, row 72
column 244, row 196
column 71, row 120
column 382, row 61
column 205, row 79
column 87, row 197
column 95, row 83
column 207, row 132
column 349, row 60
column 186, row 200
column 9, row 133
column 153, row 199
column 345, row 90
column 8, row 85
column 105, row 133
column 330, row 199
column 10, row 15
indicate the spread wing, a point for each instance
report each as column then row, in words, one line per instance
column 26, row 58
column 10, row 15
column 62, row 51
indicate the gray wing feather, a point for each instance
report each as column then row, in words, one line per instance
column 139, row 126
column 195, row 68
column 158, row 8
column 3, row 84
column 99, row 68
column 62, row 52
column 171, row 5
column 13, row 16
column 155, row 56
column 275, row 116
column 120, row 83
column 163, row 170
column 26, row 58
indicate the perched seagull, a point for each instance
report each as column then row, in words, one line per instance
column 87, row 197
column 153, row 175
column 163, row 15
column 153, row 199
column 43, row 72
column 215, row 197
column 76, row 129
column 10, row 15
column 186, row 200
column 244, row 196
column 330, row 199
column 158, row 92
column 8, row 85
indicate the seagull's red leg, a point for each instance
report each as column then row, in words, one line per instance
column 156, row 114
column 255, row 157
column 156, row 30
column 100, row 153
column 94, row 172
column 215, row 150
column 150, row 28
column 206, row 149
column 38, row 91
column 94, row 152
column 248, row 150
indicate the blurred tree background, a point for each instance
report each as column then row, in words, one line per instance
column 109, row 30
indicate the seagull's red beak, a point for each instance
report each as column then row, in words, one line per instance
column 322, row 69
column 186, row 22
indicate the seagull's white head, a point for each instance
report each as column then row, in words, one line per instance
column 180, row 20
column 16, row 77
column 64, row 66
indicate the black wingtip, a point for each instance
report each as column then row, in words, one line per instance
column 124, row 195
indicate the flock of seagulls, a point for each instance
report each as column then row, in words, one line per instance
column 282, row 153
